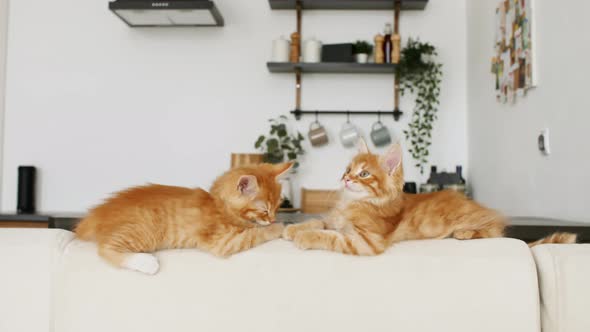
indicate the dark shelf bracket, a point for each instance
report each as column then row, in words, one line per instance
column 396, row 112
column 299, row 8
column 299, row 113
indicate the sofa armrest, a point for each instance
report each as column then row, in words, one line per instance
column 29, row 260
column 564, row 281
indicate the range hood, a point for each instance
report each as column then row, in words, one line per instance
column 142, row 13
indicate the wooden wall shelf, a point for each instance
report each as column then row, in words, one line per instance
column 332, row 67
column 365, row 68
column 349, row 4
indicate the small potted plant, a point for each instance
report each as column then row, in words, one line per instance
column 362, row 50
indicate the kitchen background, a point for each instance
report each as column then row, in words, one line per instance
column 98, row 106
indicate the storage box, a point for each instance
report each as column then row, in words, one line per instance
column 337, row 53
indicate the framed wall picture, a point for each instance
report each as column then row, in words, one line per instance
column 513, row 63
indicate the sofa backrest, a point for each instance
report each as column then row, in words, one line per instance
column 445, row 285
column 52, row 282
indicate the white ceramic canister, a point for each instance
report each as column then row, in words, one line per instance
column 280, row 50
column 312, row 50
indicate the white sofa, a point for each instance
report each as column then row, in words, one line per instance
column 564, row 280
column 50, row 281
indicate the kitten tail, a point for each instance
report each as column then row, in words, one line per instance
column 563, row 238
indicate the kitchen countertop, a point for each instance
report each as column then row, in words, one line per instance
column 525, row 228
column 67, row 220
column 25, row 217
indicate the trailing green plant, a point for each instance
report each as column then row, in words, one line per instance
column 419, row 74
column 280, row 143
column 362, row 47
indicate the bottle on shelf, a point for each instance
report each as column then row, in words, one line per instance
column 459, row 170
column 379, row 55
column 387, row 44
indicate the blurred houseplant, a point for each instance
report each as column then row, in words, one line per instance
column 278, row 144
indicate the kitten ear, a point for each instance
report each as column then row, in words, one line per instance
column 247, row 185
column 392, row 159
column 362, row 146
column 283, row 169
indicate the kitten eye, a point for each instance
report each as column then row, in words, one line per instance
column 347, row 170
column 364, row 174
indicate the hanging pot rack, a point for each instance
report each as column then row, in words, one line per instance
column 299, row 113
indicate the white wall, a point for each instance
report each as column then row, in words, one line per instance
column 507, row 170
column 98, row 106
column 3, row 34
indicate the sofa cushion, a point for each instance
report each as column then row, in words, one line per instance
column 437, row 285
column 564, row 279
column 28, row 261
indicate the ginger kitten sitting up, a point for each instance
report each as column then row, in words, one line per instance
column 373, row 212
column 237, row 215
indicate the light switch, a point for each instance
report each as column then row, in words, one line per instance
column 543, row 142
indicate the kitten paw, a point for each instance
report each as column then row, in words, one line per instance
column 289, row 232
column 142, row 262
column 464, row 235
column 305, row 240
column 292, row 230
column 275, row 230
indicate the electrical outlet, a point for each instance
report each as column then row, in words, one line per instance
column 543, row 142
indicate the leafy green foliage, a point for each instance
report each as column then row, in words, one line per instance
column 280, row 143
column 362, row 47
column 420, row 75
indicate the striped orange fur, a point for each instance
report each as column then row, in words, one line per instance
column 373, row 212
column 238, row 214
column 556, row 238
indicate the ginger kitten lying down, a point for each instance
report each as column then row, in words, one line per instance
column 373, row 212
column 237, row 215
